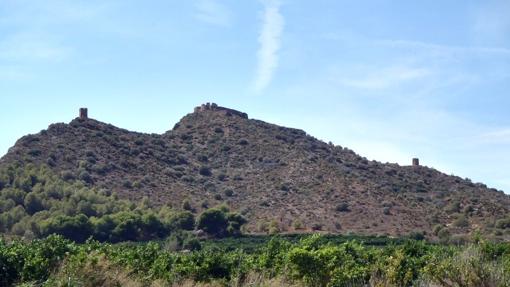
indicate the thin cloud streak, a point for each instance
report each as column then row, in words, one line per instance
column 212, row 12
column 21, row 49
column 270, row 42
column 500, row 136
column 446, row 48
column 385, row 78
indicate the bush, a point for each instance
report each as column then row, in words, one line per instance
column 461, row 221
column 186, row 205
column 222, row 177
column 85, row 176
column 33, row 203
column 205, row 171
column 417, row 235
column 453, row 207
column 67, row 175
column 503, row 223
column 127, row 184
column 297, row 224
column 342, row 265
column 34, row 152
column 32, row 261
column 342, row 207
column 467, row 267
column 182, row 220
column 316, row 226
column 274, row 227
column 444, row 234
column 402, row 265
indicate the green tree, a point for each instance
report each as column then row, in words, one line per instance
column 77, row 228
column 213, row 221
column 219, row 222
column 182, row 220
column 33, row 203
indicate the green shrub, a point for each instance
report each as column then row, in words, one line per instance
column 341, row 265
column 467, row 267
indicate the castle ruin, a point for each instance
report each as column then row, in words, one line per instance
column 215, row 107
column 416, row 161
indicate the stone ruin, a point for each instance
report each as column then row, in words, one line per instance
column 215, row 107
column 416, row 162
column 83, row 113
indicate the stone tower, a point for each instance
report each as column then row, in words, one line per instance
column 416, row 161
column 83, row 113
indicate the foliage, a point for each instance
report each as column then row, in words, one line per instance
column 330, row 265
column 311, row 261
column 483, row 264
column 35, row 202
column 34, row 261
column 220, row 222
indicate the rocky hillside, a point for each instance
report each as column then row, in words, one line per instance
column 280, row 178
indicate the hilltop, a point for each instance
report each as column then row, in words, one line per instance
column 280, row 178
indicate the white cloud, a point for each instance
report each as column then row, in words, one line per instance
column 499, row 136
column 491, row 23
column 14, row 73
column 28, row 46
column 270, row 41
column 384, row 78
column 52, row 12
column 212, row 12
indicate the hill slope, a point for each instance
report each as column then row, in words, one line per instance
column 276, row 176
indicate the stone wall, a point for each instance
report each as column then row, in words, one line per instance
column 215, row 107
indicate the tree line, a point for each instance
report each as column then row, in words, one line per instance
column 35, row 202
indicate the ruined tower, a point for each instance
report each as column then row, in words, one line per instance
column 83, row 113
column 416, row 161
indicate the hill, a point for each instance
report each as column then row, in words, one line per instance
column 281, row 179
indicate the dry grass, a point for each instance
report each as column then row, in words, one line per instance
column 252, row 280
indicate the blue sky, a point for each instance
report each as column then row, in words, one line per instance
column 391, row 80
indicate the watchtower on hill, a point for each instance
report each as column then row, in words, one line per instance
column 416, row 161
column 83, row 113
